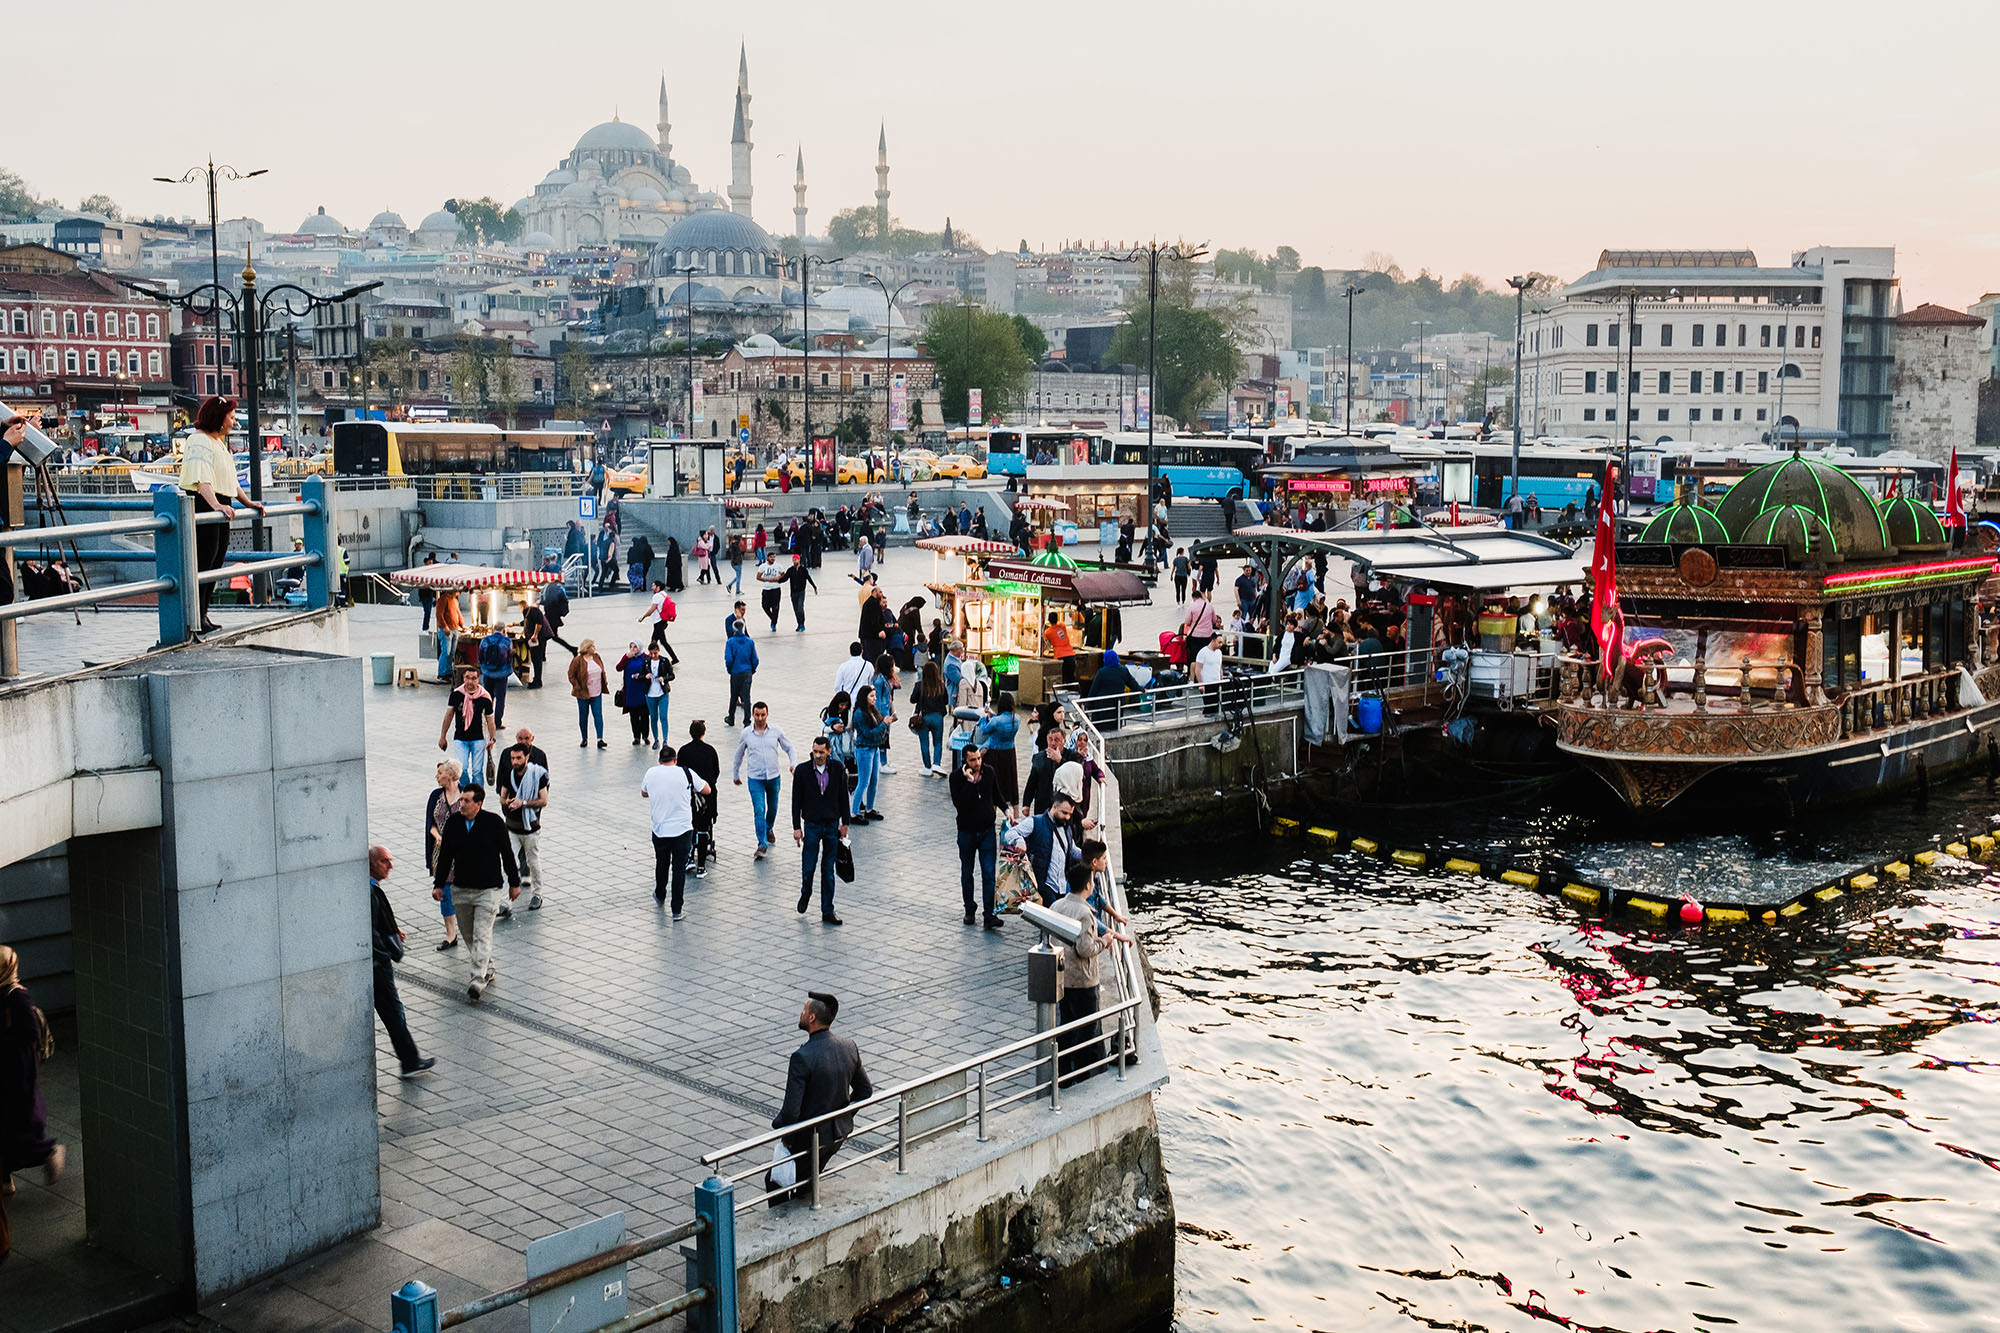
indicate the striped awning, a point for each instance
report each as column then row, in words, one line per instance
column 465, row 577
column 962, row 545
column 1036, row 502
column 746, row 502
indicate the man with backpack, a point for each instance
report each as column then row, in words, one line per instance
column 496, row 668
column 555, row 608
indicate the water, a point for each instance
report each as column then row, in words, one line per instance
column 1414, row 1100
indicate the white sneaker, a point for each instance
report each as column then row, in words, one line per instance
column 942, row 771
column 886, row 768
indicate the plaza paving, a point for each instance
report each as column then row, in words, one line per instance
column 618, row 1046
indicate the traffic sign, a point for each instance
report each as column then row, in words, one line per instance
column 586, row 506
column 743, row 435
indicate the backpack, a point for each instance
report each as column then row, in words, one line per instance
column 555, row 598
column 40, row 1039
column 496, row 654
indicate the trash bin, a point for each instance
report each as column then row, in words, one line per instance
column 384, row 667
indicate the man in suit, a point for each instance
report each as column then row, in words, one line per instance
column 388, row 939
column 472, row 854
column 825, row 1075
column 819, row 822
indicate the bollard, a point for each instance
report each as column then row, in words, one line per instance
column 715, row 1256
column 413, row 1308
column 174, row 558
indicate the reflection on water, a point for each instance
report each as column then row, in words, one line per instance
column 1412, row 1100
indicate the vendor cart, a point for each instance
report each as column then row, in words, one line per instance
column 495, row 598
column 1005, row 617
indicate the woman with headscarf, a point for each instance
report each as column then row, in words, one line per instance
column 437, row 813
column 24, row 1045
column 639, row 562
column 634, row 669
column 1112, row 680
column 675, row 583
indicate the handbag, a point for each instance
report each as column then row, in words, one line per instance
column 1015, row 884
column 843, row 861
column 916, row 720
column 618, row 697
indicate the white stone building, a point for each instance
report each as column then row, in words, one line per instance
column 1939, row 364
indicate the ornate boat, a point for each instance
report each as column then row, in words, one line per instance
column 1823, row 647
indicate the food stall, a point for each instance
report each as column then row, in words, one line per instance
column 739, row 514
column 1043, row 515
column 495, row 597
column 1091, row 495
column 1004, row 618
column 956, row 578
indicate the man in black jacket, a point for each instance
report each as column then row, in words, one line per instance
column 825, row 1075
column 472, row 855
column 819, row 823
column 388, row 941
column 699, row 758
column 975, row 796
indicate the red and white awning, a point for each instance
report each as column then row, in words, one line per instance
column 1035, row 503
column 962, row 545
column 461, row 578
column 746, row 502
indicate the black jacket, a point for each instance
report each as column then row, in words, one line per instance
column 477, row 855
column 975, row 803
column 825, row 1074
column 807, row 802
column 382, row 920
column 700, row 759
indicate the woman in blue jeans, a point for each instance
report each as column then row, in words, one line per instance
column 930, row 700
column 995, row 735
column 871, row 742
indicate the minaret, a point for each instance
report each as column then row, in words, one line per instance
column 799, row 196
column 882, row 185
column 949, row 248
column 739, row 157
column 743, row 86
column 666, row 130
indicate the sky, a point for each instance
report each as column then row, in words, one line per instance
column 1473, row 138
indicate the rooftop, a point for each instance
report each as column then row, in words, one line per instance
column 1929, row 314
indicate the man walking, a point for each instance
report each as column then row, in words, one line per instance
column 468, row 722
column 739, row 659
column 819, row 823
column 524, row 794
column 496, row 669
column 771, row 581
column 760, row 745
column 661, row 611
column 699, row 758
column 796, row 578
column 388, row 941
column 855, row 672
column 472, row 855
column 736, row 612
column 975, row 796
column 824, row 1075
column 671, row 790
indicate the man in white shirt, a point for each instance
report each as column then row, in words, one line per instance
column 1208, row 674
column 760, row 744
column 660, row 611
column 855, row 672
column 670, row 790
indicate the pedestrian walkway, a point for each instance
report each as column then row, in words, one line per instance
column 616, row 1045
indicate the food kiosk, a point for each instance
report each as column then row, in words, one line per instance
column 496, row 597
column 1004, row 618
column 740, row 514
column 1043, row 515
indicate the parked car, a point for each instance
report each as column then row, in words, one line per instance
column 859, row 471
column 796, row 465
column 963, row 466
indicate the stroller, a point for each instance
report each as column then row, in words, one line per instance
column 974, row 690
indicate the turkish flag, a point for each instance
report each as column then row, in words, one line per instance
column 1954, row 507
column 1607, row 621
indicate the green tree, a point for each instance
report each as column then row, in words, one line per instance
column 470, row 371
column 1310, row 293
column 1286, row 260
column 774, row 408
column 1472, row 407
column 18, row 203
column 102, row 204
column 1033, row 342
column 488, row 220
column 387, row 367
column 854, row 231
column 853, row 429
column 1194, row 355
column 576, row 372
column 974, row 348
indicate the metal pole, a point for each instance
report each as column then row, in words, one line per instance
column 806, row 344
column 1152, row 389
column 1520, row 286
column 215, row 269
column 1625, row 425
column 248, row 320
column 715, row 1256
column 1347, row 417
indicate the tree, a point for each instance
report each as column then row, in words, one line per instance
column 575, row 367
column 471, row 370
column 387, row 367
column 854, row 231
column 1310, row 293
column 1194, row 356
column 1473, row 406
column 974, row 348
column 488, row 220
column 1286, row 260
column 1032, row 340
column 853, row 429
column 18, row 203
column 775, row 409
column 102, row 204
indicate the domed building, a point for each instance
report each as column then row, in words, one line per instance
column 321, row 223
column 1839, row 502
column 1913, row 527
column 718, row 244
column 438, row 231
column 1683, row 521
column 388, row 228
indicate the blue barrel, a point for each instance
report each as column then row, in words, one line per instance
column 1369, row 711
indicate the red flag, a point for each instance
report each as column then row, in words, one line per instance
column 1607, row 621
column 1954, row 508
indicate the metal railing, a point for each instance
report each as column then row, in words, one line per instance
column 1165, row 705
column 710, row 1303
column 476, row 485
column 176, row 577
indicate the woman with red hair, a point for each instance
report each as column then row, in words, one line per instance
column 208, row 473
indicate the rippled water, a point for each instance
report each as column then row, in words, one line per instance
column 1404, row 1099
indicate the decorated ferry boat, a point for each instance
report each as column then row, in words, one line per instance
column 1803, row 644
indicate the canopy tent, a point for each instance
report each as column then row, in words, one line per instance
column 470, row 577
column 1523, row 575
column 746, row 502
column 963, row 545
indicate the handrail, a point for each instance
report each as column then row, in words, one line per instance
column 69, row 532
column 585, row 1267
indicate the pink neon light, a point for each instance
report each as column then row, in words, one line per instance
column 1893, row 571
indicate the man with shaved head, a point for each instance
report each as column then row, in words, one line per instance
column 388, row 941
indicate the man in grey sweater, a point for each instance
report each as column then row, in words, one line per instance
column 1079, row 963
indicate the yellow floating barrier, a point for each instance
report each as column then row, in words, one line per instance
column 1329, row 836
column 1982, row 843
column 1581, row 893
column 1895, row 868
column 1956, row 848
column 1284, row 828
column 1925, row 857
column 1521, row 877
column 1727, row 915
column 1792, row 909
column 1829, row 893
column 1462, row 866
column 1650, row 906
column 1861, row 882
column 1769, row 917
column 1408, row 859
column 1364, row 845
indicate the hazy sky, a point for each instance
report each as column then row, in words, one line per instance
column 1463, row 137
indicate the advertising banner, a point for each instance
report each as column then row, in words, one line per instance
column 975, row 413
column 899, row 403
column 1143, row 419
column 697, row 401
column 1283, row 410
column 1128, row 411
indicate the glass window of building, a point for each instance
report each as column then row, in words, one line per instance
column 90, row 323
column 1590, row 335
column 1722, row 335
column 1699, row 332
column 153, row 365
column 1715, row 385
column 1739, row 381
column 1666, row 381
column 1611, row 333
column 1590, row 381
column 1590, row 414
column 1764, row 337
column 1663, row 414
column 1815, row 335
column 1763, row 386
column 1694, row 381
column 1611, row 381
column 1666, row 335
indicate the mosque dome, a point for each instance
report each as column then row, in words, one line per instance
column 321, row 224
column 677, row 196
column 386, row 221
column 703, row 295
column 1685, row 521
column 615, row 136
column 646, row 194
column 536, row 240
column 442, row 220
column 716, row 229
column 558, row 178
column 1852, row 523
column 1803, row 534
column 1913, row 526
column 759, row 342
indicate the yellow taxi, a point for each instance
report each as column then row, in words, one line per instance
column 629, row 480
column 317, row 465
column 858, row 471
column 796, row 465
column 963, row 466
column 101, row 465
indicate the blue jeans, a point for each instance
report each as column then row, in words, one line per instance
column 471, row 757
column 656, row 716
column 735, row 577
column 986, row 848
column 446, row 642
column 930, row 740
column 764, row 807
column 497, row 687
column 587, row 711
column 868, row 762
column 819, row 846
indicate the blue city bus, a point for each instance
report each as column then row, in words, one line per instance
column 1009, row 449
column 1554, row 476
column 1198, row 468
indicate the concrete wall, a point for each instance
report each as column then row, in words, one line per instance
column 1169, row 773
column 1936, row 388
column 35, row 921
column 480, row 529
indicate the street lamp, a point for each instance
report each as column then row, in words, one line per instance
column 687, row 273
column 209, row 172
column 1423, row 374
column 805, row 263
column 1183, row 253
column 888, row 350
column 1520, row 286
column 1347, row 417
column 1785, row 368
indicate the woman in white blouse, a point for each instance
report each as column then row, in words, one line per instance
column 208, row 473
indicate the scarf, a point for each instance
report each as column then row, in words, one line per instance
column 469, row 697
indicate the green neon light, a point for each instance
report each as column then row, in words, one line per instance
column 1004, row 589
column 1007, row 665
column 1897, row 581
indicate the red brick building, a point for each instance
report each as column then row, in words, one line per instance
column 71, row 339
